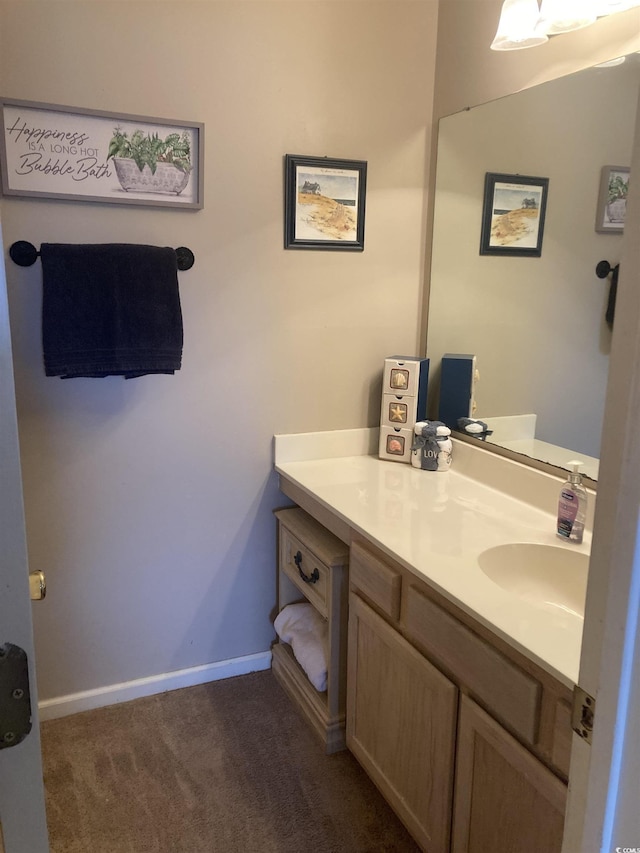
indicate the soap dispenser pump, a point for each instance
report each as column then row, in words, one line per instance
column 572, row 506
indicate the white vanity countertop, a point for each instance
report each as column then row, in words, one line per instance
column 437, row 523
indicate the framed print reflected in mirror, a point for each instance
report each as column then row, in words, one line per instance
column 513, row 215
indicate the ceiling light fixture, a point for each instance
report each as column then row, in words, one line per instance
column 523, row 24
column 517, row 26
column 562, row 16
column 610, row 7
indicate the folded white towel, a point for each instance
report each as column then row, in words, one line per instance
column 305, row 630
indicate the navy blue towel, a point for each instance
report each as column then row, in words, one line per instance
column 110, row 309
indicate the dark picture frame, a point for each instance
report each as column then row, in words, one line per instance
column 611, row 210
column 77, row 154
column 513, row 215
column 324, row 203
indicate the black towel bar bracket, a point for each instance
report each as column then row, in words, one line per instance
column 604, row 268
column 186, row 258
column 25, row 254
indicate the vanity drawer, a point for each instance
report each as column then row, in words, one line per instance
column 306, row 571
column 376, row 580
column 308, row 553
column 395, row 443
column 397, row 411
column 407, row 376
column 509, row 693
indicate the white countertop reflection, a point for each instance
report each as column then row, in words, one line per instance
column 517, row 433
column 437, row 523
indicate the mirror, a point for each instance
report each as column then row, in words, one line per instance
column 535, row 324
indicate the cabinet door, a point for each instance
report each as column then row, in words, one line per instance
column 401, row 721
column 506, row 801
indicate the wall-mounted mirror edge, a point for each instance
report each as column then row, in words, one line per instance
column 549, row 309
column 522, row 458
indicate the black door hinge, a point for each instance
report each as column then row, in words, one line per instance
column 15, row 700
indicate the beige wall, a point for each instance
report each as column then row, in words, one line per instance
column 149, row 501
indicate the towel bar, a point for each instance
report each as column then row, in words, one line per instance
column 25, row 254
column 603, row 269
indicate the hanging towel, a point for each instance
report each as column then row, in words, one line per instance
column 110, row 309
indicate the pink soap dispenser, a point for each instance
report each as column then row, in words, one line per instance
column 572, row 506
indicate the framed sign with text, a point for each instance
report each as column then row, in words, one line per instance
column 53, row 151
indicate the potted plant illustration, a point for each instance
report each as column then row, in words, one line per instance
column 146, row 163
column 617, row 197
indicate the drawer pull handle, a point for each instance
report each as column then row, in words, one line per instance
column 313, row 577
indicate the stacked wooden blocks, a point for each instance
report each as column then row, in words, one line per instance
column 404, row 403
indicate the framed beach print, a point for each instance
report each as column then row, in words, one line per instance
column 324, row 203
column 513, row 215
column 612, row 199
column 76, row 154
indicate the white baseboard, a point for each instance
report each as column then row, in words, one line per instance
column 63, row 706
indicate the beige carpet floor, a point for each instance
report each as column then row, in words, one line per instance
column 227, row 767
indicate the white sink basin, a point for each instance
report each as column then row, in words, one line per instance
column 546, row 575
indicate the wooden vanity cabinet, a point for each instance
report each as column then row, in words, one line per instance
column 467, row 739
column 506, row 800
column 313, row 565
column 401, row 722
